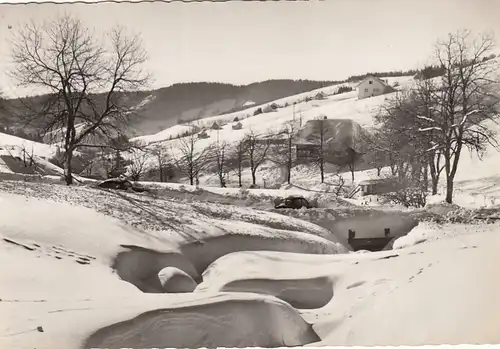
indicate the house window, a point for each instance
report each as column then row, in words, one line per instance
column 370, row 82
column 366, row 90
column 375, row 90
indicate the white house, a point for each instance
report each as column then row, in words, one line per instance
column 373, row 86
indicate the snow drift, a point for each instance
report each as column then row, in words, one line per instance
column 229, row 320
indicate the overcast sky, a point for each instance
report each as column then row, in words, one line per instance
column 243, row 42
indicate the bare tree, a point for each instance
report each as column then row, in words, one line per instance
column 159, row 152
column 138, row 165
column 218, row 156
column 321, row 139
column 237, row 159
column 257, row 147
column 65, row 59
column 426, row 110
column 28, row 156
column 188, row 159
column 407, row 150
column 3, row 108
column 465, row 100
column 377, row 156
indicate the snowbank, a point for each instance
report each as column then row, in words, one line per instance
column 401, row 287
column 428, row 231
column 60, row 279
column 230, row 320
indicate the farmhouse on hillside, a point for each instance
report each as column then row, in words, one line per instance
column 372, row 86
column 338, row 134
column 216, row 126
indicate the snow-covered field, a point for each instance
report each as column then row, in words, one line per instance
column 82, row 271
column 40, row 149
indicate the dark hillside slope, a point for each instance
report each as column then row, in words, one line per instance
column 165, row 107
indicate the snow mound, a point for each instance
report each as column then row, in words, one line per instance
column 174, row 280
column 220, row 323
column 204, row 252
column 141, row 267
column 309, row 293
column 430, row 231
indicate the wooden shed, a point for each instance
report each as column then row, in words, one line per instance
column 378, row 186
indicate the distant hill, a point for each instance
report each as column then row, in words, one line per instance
column 159, row 109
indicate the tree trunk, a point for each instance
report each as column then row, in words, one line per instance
column 289, row 164
column 434, row 176
column 322, row 170
column 68, row 173
column 160, row 168
column 254, row 179
column 378, row 171
column 426, row 177
column 239, row 177
column 449, row 189
column 434, row 186
column 221, row 179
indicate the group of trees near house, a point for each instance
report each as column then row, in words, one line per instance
column 425, row 129
column 254, row 149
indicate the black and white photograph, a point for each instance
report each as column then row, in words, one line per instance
column 208, row 174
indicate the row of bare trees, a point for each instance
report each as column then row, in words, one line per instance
column 425, row 128
column 190, row 158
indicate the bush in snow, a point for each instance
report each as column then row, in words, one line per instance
column 270, row 108
column 411, row 196
column 343, row 89
column 244, row 192
column 257, row 111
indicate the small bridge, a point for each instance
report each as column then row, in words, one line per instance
column 372, row 244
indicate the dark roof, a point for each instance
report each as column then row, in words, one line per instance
column 373, row 78
column 291, row 197
column 376, row 181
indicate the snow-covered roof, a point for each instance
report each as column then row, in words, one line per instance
column 371, row 77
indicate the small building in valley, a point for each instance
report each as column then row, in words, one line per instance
column 378, row 186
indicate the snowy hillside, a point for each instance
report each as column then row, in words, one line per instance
column 341, row 106
column 307, row 107
column 40, row 149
